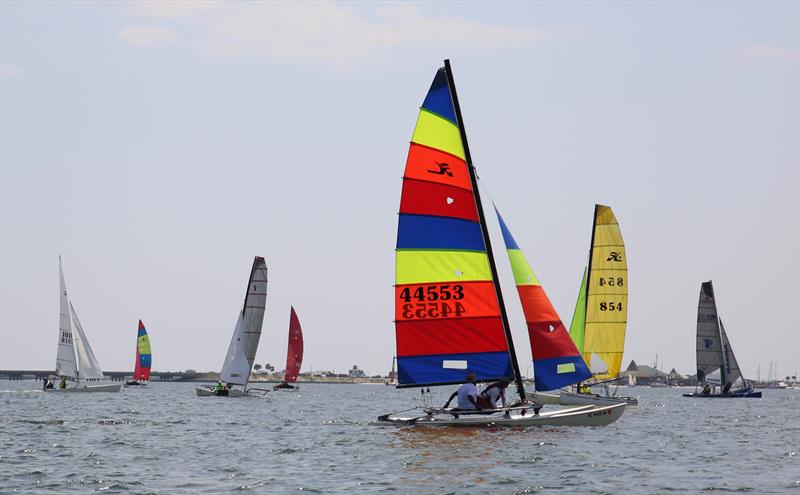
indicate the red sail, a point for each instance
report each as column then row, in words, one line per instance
column 294, row 355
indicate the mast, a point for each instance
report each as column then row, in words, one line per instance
column 484, row 231
column 589, row 272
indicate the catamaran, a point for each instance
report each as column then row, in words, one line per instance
column 294, row 354
column 72, row 343
column 450, row 318
column 143, row 360
column 244, row 342
column 717, row 369
column 600, row 316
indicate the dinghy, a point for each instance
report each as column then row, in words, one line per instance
column 718, row 371
column 294, row 355
column 600, row 317
column 450, row 318
column 143, row 360
column 76, row 364
column 241, row 354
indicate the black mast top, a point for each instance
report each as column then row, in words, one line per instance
column 474, row 179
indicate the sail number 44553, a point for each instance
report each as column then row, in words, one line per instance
column 432, row 301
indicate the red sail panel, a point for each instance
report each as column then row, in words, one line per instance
column 294, row 354
column 432, row 165
column 445, row 301
column 137, row 367
column 432, row 198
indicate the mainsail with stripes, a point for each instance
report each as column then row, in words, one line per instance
column 601, row 313
column 449, row 315
column 244, row 343
column 144, row 358
column 556, row 361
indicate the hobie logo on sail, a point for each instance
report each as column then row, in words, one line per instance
column 614, row 256
column 444, row 169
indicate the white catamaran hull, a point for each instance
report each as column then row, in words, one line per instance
column 110, row 387
column 574, row 416
column 572, row 399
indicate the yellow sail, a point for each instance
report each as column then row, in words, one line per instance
column 607, row 297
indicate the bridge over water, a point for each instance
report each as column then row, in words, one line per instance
column 117, row 376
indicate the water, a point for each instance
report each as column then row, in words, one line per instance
column 162, row 439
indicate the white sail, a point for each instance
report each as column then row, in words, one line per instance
column 244, row 343
column 733, row 374
column 65, row 357
column 88, row 367
column 709, row 347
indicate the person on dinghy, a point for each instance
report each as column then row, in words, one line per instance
column 467, row 395
column 219, row 387
column 63, row 383
column 487, row 399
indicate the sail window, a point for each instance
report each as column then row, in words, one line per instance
column 454, row 365
column 565, row 368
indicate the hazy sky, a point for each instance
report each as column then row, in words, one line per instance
column 159, row 146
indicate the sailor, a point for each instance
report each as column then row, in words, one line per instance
column 63, row 383
column 44, row 383
column 219, row 387
column 706, row 389
column 467, row 395
column 727, row 388
column 487, row 399
column 583, row 389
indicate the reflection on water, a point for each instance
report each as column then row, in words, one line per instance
column 164, row 439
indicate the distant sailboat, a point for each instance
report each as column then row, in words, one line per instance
column 601, row 313
column 294, row 354
column 393, row 374
column 244, row 342
column 718, row 371
column 143, row 360
column 75, row 360
column 450, row 318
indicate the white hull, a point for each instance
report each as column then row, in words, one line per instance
column 574, row 416
column 572, row 399
column 110, row 387
column 542, row 398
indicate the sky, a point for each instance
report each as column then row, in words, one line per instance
column 159, row 146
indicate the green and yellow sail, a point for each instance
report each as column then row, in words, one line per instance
column 601, row 312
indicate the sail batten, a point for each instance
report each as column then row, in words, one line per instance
column 448, row 309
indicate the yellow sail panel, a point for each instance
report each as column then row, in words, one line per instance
column 523, row 274
column 422, row 266
column 607, row 301
column 439, row 133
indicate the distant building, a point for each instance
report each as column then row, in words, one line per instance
column 356, row 373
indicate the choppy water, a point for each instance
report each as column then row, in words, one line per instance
column 162, row 439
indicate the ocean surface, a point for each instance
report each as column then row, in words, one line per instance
column 163, row 439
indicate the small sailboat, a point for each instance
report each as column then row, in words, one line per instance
column 601, row 312
column 244, row 342
column 450, row 318
column 393, row 374
column 143, row 360
column 294, row 354
column 718, row 371
column 76, row 363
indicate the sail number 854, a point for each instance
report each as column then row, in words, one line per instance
column 610, row 306
column 611, row 281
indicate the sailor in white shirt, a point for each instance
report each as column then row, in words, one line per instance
column 467, row 394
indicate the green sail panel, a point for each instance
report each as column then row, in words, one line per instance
column 578, row 326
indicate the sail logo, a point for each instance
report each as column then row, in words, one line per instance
column 444, row 169
column 614, row 256
column 707, row 343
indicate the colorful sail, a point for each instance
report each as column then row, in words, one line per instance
column 556, row 361
column 447, row 315
column 601, row 314
column 294, row 353
column 144, row 358
column 244, row 342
